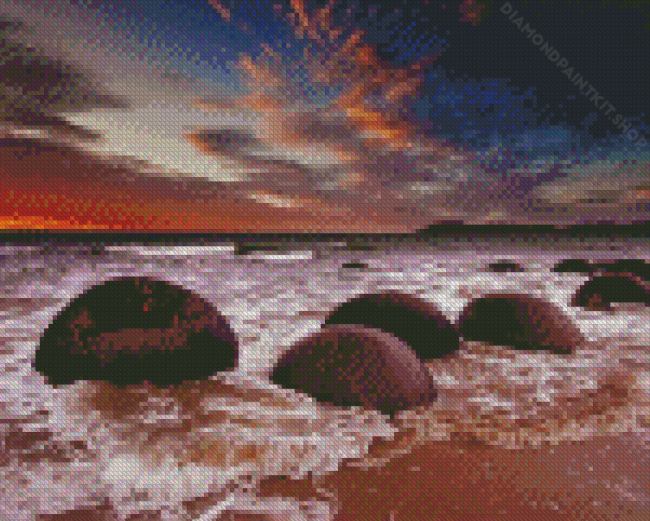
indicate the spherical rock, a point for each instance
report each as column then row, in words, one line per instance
column 599, row 292
column 134, row 329
column 574, row 266
column 349, row 365
column 635, row 267
column 504, row 266
column 417, row 322
column 519, row 321
column 354, row 265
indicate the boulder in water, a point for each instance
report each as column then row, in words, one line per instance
column 574, row 266
column 504, row 266
column 417, row 322
column 349, row 365
column 519, row 321
column 134, row 329
column 600, row 292
column 634, row 267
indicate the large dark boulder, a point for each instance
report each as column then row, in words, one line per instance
column 134, row 329
column 574, row 266
column 518, row 321
column 349, row 365
column 600, row 292
column 635, row 267
column 417, row 322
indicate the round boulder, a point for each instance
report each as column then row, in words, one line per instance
column 635, row 267
column 574, row 266
column 598, row 293
column 349, row 365
column 135, row 329
column 354, row 265
column 504, row 266
column 518, row 321
column 418, row 323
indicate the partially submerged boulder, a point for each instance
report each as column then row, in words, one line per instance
column 417, row 322
column 635, row 267
column 600, row 292
column 574, row 266
column 505, row 266
column 519, row 321
column 354, row 265
column 134, row 329
column 349, row 365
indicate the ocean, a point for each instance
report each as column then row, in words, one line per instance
column 61, row 454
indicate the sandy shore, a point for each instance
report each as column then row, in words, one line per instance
column 583, row 457
column 465, row 480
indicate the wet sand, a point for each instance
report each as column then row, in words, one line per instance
column 473, row 481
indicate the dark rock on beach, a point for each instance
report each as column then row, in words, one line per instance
column 574, row 266
column 134, row 329
column 600, row 292
column 417, row 322
column 354, row 265
column 504, row 266
column 635, row 267
column 349, row 365
column 518, row 321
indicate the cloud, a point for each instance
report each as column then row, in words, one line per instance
column 346, row 151
column 265, row 154
column 223, row 11
column 100, row 143
column 35, row 88
column 614, row 189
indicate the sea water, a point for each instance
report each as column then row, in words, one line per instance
column 63, row 452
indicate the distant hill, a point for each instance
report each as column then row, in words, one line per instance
column 600, row 231
column 639, row 230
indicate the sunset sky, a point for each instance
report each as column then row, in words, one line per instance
column 314, row 116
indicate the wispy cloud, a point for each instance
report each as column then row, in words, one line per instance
column 356, row 148
column 257, row 147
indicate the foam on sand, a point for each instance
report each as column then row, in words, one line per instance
column 162, row 449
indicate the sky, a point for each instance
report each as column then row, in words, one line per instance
column 314, row 116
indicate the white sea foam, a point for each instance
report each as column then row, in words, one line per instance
column 146, row 460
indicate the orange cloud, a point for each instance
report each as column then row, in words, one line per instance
column 344, row 164
column 361, row 69
column 89, row 193
column 223, row 11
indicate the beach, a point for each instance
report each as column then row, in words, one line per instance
column 511, row 433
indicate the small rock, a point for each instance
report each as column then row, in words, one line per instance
column 354, row 265
column 417, row 322
column 518, row 321
column 504, row 266
column 134, row 329
column 349, row 365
